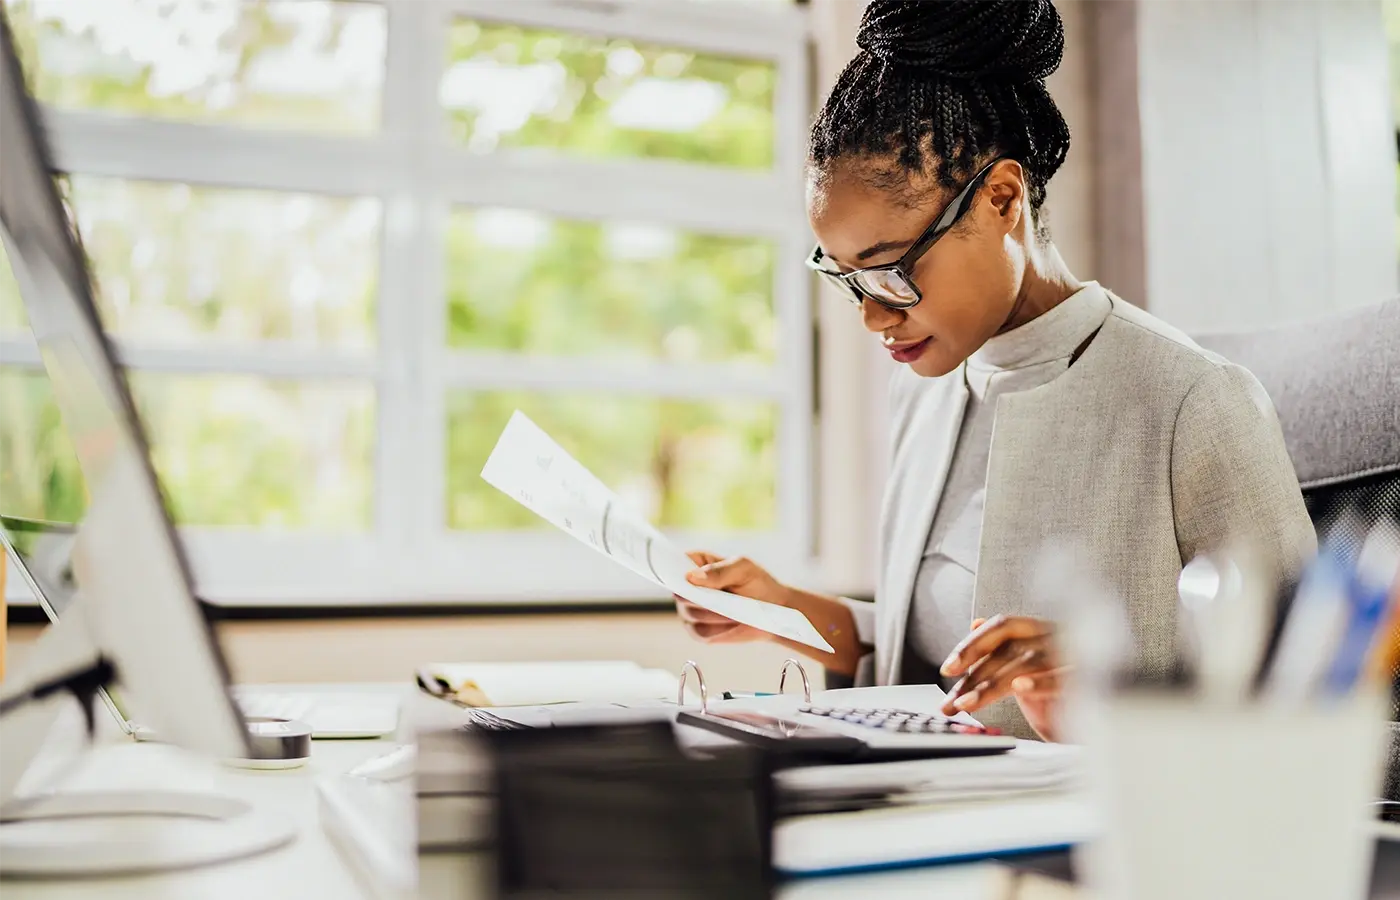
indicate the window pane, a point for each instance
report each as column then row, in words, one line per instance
column 683, row 464
column 39, row 474
column 524, row 282
column 252, row 452
column 506, row 86
column 177, row 264
column 1390, row 12
column 300, row 64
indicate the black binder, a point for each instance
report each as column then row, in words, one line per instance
column 621, row 811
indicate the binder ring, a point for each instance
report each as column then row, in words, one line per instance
column 806, row 685
column 692, row 666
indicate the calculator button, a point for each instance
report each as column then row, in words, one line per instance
column 893, row 725
column 816, row 710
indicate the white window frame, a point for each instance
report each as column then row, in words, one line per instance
column 418, row 174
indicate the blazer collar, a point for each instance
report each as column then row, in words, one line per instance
column 916, row 484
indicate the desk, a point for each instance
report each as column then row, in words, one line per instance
column 311, row 868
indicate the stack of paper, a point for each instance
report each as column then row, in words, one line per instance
column 529, row 466
column 1029, row 769
column 909, row 836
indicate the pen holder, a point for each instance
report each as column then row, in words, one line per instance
column 1233, row 802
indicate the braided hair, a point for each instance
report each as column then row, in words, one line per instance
column 940, row 87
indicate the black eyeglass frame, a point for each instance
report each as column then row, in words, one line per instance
column 904, row 266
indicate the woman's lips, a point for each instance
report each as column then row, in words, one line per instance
column 910, row 352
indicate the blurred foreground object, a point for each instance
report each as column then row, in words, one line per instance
column 610, row 811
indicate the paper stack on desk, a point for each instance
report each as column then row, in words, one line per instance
column 858, row 817
column 529, row 466
column 1030, row 769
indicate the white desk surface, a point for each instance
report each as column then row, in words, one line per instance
column 311, row 868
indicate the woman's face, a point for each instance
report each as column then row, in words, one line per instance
column 969, row 279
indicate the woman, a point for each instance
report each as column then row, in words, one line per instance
column 926, row 179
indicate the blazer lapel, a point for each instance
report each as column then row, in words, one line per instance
column 917, row 475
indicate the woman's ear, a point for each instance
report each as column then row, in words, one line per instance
column 1006, row 190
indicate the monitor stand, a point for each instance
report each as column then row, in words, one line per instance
column 88, row 833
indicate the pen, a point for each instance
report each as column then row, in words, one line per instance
column 1314, row 627
column 1369, row 597
column 746, row 695
column 1386, row 656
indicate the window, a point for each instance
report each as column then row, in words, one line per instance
column 338, row 242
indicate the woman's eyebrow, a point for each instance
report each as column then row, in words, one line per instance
column 882, row 247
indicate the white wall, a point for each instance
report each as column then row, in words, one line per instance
column 1268, row 159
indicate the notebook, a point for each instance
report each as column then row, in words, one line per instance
column 902, row 837
column 496, row 684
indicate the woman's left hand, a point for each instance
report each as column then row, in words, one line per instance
column 1008, row 655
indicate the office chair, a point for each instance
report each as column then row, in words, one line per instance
column 1336, row 386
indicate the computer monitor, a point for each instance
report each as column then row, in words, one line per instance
column 136, row 597
column 42, row 554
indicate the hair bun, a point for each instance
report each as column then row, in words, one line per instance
column 1003, row 40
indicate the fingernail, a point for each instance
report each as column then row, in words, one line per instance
column 1022, row 684
column 966, row 700
column 696, row 575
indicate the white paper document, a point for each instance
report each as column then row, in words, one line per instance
column 530, row 467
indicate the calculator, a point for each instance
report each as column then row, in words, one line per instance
column 849, row 734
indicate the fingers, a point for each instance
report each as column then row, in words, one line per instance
column 725, row 574
column 994, row 680
column 711, row 627
column 697, row 615
column 1039, row 685
column 730, row 633
column 987, row 637
column 703, row 558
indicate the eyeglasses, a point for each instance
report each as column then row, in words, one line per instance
column 892, row 284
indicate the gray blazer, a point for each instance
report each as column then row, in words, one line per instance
column 1146, row 452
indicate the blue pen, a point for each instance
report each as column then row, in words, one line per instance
column 1369, row 599
column 1316, row 624
column 747, row 695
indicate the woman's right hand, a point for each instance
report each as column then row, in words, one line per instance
column 737, row 575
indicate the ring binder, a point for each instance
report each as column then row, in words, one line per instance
column 692, row 666
column 806, row 684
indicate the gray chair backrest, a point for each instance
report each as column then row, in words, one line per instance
column 1336, row 386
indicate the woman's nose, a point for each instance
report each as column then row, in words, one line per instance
column 877, row 317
